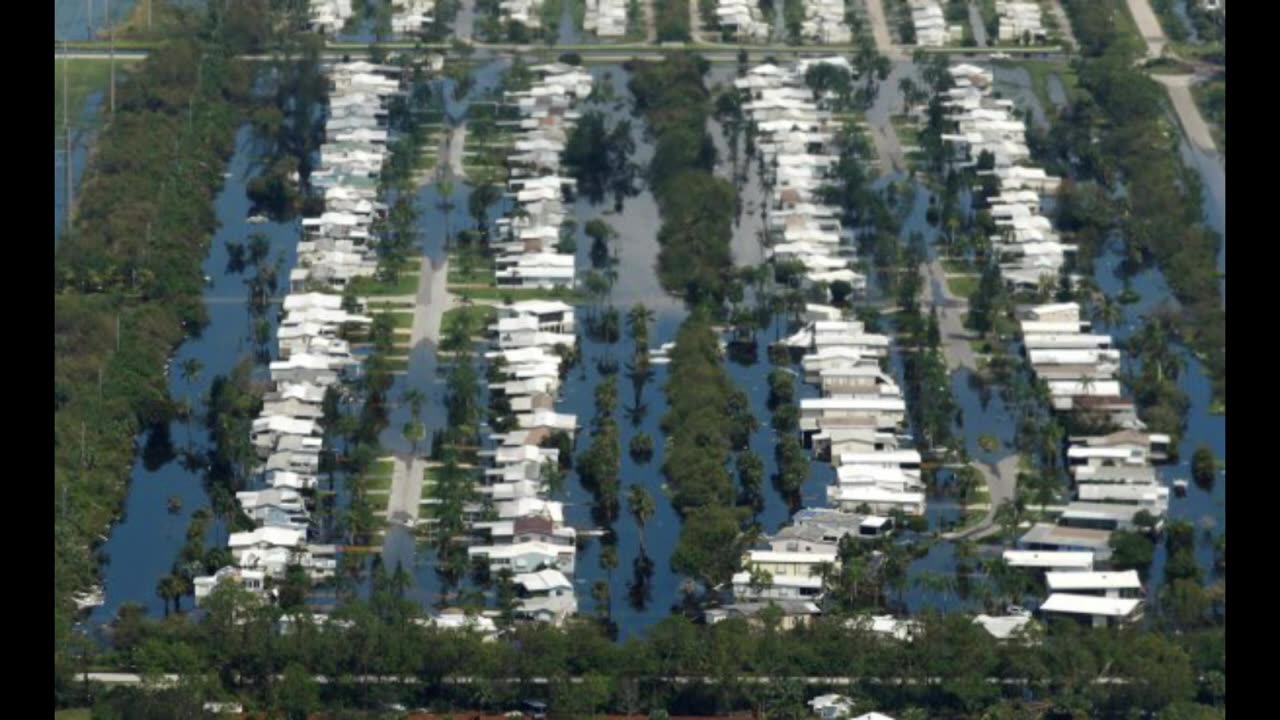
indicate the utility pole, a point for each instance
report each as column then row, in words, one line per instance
column 111, row 28
column 149, row 2
column 66, row 133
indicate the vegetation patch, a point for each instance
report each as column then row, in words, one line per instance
column 404, row 283
column 467, row 321
column 82, row 78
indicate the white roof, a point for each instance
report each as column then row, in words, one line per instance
column 1068, row 581
column 799, row 581
column 1089, row 605
column 773, row 556
column 277, row 536
column 533, row 547
column 1049, row 559
column 1003, row 627
column 543, row 581
column 884, row 457
column 862, row 403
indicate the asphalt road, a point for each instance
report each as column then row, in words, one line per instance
column 1002, row 478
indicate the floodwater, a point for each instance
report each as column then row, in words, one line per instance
column 1015, row 83
column 72, row 19
column 83, row 134
column 1212, row 170
column 1057, row 91
column 1205, row 507
column 145, row 542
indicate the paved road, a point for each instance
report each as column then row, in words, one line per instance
column 406, row 491
column 1178, row 86
column 121, row 55
column 1064, row 22
column 880, row 30
column 1001, row 479
column 1148, row 26
column 1188, row 112
column 457, row 143
column 826, row 680
column 979, row 27
column 464, row 23
column 951, row 310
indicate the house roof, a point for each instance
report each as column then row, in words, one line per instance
column 1069, row 581
column 772, row 556
column 543, row 581
column 1090, row 605
column 1002, row 627
column 1049, row 559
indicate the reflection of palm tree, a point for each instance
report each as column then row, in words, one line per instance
column 642, row 508
column 190, row 370
column 414, row 398
column 446, row 205
column 1087, row 384
column 1108, row 312
column 638, row 320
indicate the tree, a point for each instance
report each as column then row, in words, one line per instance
column 298, row 695
column 446, row 203
column 415, row 432
column 641, row 447
column 642, row 508
column 482, row 197
column 638, row 319
column 1203, row 469
column 1131, row 551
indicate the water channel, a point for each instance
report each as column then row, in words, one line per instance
column 145, row 542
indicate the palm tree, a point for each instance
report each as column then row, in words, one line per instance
column 166, row 591
column 190, row 370
column 1045, row 287
column 638, row 320
column 1087, row 383
column 414, row 398
column 600, row 593
column 1008, row 516
column 446, row 204
column 641, row 504
column 1108, row 312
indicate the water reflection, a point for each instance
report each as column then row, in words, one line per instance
column 146, row 541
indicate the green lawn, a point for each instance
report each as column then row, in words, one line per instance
column 389, row 306
column 400, row 319
column 470, row 268
column 953, row 265
column 962, row 287
column 1040, row 70
column 83, row 78
column 475, row 318
column 517, row 294
column 406, row 284
column 73, row 714
column 1211, row 96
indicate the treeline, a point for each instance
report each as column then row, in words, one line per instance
column 707, row 419
column 697, row 207
column 1164, row 221
column 1168, row 676
column 672, row 20
column 127, row 279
